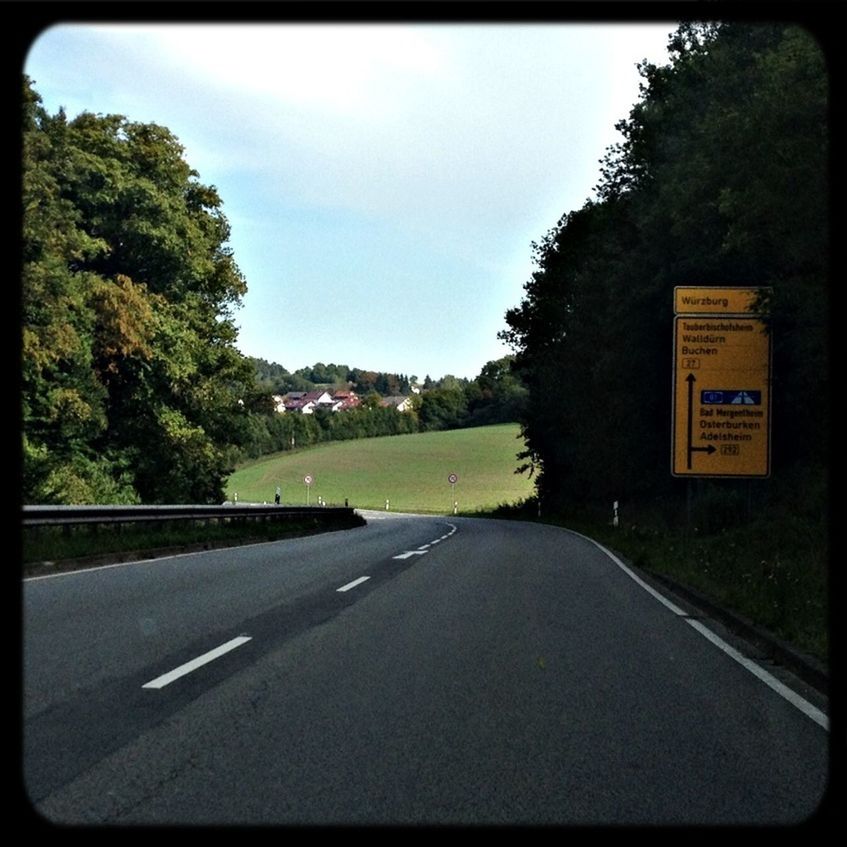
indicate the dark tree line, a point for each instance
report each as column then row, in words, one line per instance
column 261, row 433
column 278, row 380
column 495, row 396
column 721, row 179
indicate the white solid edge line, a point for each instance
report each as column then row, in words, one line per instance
column 353, row 584
column 182, row 670
column 772, row 682
column 783, row 690
column 663, row 600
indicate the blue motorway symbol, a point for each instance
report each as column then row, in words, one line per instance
column 731, row 397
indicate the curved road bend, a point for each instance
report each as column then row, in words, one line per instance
column 416, row 670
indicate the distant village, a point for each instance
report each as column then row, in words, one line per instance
column 307, row 402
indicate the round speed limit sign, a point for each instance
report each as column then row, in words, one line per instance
column 452, row 479
column 308, row 479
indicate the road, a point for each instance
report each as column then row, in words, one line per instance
column 419, row 670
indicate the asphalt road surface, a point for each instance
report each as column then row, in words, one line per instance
column 419, row 670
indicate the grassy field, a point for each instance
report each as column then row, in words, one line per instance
column 410, row 471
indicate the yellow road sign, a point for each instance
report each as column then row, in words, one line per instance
column 721, row 396
column 706, row 300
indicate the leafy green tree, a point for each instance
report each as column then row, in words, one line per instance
column 131, row 380
column 364, row 381
column 443, row 408
column 497, row 395
column 270, row 376
column 371, row 400
column 63, row 402
column 451, row 383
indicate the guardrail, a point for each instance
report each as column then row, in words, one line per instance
column 37, row 516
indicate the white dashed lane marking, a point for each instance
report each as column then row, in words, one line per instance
column 424, row 548
column 182, row 670
column 353, row 584
column 188, row 667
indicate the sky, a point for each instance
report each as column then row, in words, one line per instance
column 383, row 182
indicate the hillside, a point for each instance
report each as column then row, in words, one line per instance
column 410, row 471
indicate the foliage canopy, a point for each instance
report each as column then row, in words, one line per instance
column 130, row 377
column 721, row 179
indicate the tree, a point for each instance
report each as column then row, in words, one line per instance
column 271, row 376
column 371, row 400
column 130, row 378
column 63, row 402
column 721, row 179
column 497, row 395
column 364, row 381
column 442, row 408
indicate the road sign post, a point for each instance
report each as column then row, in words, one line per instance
column 722, row 382
column 308, row 480
column 453, row 479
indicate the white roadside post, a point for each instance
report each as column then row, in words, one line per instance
column 308, row 480
column 453, row 479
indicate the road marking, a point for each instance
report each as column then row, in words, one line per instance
column 786, row 693
column 422, row 550
column 182, row 670
column 353, row 584
column 783, row 690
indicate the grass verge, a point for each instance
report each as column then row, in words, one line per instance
column 772, row 573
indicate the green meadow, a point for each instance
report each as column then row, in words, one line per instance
column 409, row 471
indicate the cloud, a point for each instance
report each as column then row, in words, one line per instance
column 372, row 163
column 339, row 69
column 442, row 126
